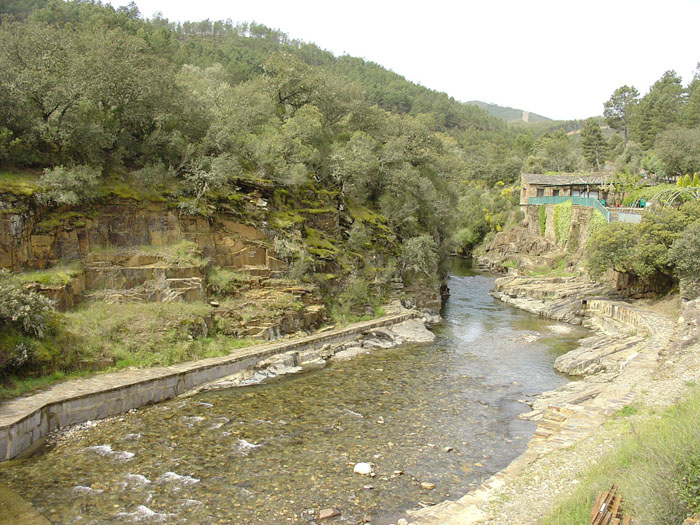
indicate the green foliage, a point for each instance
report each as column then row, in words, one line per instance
column 542, row 218
column 679, row 150
column 685, row 254
column 562, row 221
column 596, row 221
column 593, row 144
column 352, row 301
column 688, row 485
column 611, row 247
column 222, row 281
column 24, row 310
column 23, row 317
column 642, row 249
column 419, row 256
column 618, row 110
column 70, row 186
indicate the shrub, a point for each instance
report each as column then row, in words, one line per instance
column 543, row 219
column 22, row 316
column 18, row 307
column 685, row 253
column 562, row 221
column 419, row 255
column 70, row 186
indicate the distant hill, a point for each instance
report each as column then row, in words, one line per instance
column 509, row 114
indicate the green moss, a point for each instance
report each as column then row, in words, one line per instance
column 65, row 219
column 21, row 184
column 285, row 219
column 131, row 191
column 59, row 275
column 318, row 245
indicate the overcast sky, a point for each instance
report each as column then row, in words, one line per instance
column 561, row 59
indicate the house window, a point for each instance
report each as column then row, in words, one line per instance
column 575, row 193
column 555, row 193
column 540, row 192
column 593, row 194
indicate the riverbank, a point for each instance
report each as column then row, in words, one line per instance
column 26, row 420
column 636, row 356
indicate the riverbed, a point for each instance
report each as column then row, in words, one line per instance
column 442, row 415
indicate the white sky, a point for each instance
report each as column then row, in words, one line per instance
column 559, row 58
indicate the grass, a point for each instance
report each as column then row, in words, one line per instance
column 183, row 253
column 654, row 465
column 21, row 184
column 58, row 275
column 556, row 271
column 125, row 335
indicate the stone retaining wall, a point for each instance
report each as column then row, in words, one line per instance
column 25, row 420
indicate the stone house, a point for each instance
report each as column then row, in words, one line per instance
column 535, row 185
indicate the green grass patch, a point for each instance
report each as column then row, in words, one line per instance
column 58, row 275
column 182, row 253
column 556, row 270
column 21, row 184
column 656, row 466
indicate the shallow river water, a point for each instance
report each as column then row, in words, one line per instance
column 281, row 451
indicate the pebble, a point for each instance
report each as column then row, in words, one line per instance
column 324, row 514
column 364, row 469
column 427, row 485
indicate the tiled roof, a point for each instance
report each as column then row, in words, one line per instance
column 564, row 180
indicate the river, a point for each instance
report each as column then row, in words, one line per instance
column 279, row 452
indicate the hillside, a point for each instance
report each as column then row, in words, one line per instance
column 509, row 114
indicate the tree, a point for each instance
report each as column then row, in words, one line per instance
column 660, row 108
column 679, row 150
column 554, row 152
column 619, row 108
column 593, row 143
column 685, row 254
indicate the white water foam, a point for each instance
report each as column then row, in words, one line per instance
column 244, row 447
column 172, row 477
column 106, row 451
column 143, row 513
column 80, row 489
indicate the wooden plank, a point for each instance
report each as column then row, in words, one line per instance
column 596, row 506
column 626, row 519
column 603, row 518
column 615, row 506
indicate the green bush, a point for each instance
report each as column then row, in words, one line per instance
column 70, row 186
column 23, row 317
column 685, row 253
column 542, row 211
column 419, row 255
column 562, row 221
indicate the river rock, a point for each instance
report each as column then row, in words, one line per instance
column 364, row 469
column 413, row 331
column 324, row 514
column 427, row 485
column 348, row 352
